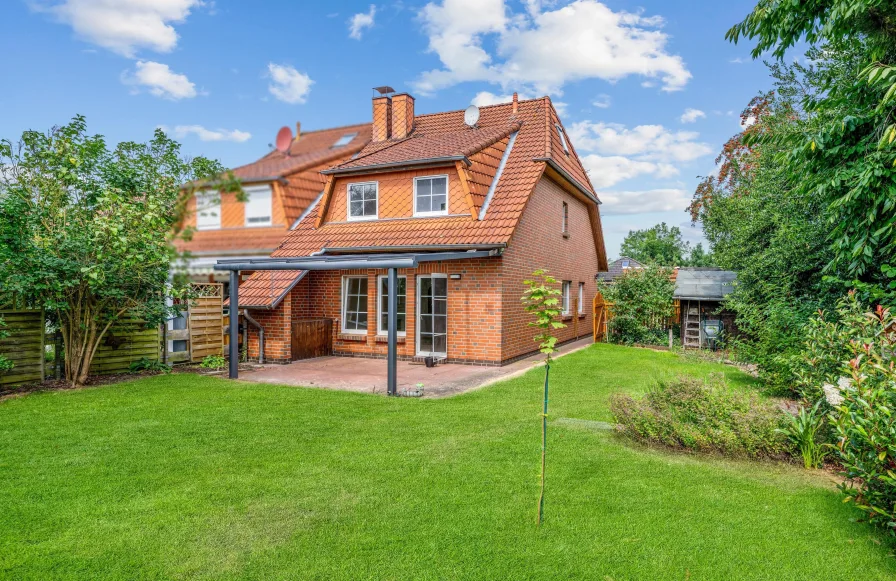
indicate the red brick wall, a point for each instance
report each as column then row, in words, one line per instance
column 538, row 242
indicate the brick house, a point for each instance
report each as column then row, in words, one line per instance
column 279, row 187
column 474, row 208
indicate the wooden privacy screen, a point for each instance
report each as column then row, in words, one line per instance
column 600, row 312
column 311, row 338
column 206, row 321
column 127, row 340
column 24, row 346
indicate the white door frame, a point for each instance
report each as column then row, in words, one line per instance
column 417, row 315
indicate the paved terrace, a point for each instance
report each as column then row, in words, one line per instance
column 369, row 375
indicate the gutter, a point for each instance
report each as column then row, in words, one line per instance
column 418, row 248
column 249, row 318
column 398, row 164
column 582, row 189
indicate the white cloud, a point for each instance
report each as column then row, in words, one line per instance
column 235, row 135
column 361, row 21
column 545, row 49
column 691, row 115
column 640, row 202
column 645, row 142
column 605, row 171
column 124, row 26
column 602, row 101
column 486, row 98
column 160, row 81
column 288, row 84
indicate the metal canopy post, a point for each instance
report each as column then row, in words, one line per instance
column 392, row 366
column 234, row 325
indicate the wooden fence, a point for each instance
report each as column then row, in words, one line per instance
column 603, row 313
column 127, row 341
column 204, row 328
column 311, row 338
column 24, row 346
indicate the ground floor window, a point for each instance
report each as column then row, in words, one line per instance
column 565, row 301
column 581, row 298
column 383, row 313
column 354, row 304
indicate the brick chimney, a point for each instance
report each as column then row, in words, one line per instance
column 382, row 118
column 516, row 103
column 298, row 130
column 402, row 115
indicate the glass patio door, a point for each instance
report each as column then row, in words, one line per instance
column 432, row 315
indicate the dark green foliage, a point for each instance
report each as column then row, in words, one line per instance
column 213, row 362
column 806, row 431
column 147, row 364
column 5, row 363
column 703, row 416
column 664, row 246
column 641, row 305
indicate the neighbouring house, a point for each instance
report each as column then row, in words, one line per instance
column 279, row 188
column 619, row 267
column 701, row 293
column 472, row 209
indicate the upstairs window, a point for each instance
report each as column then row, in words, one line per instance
column 208, row 211
column 562, row 135
column 431, row 196
column 566, row 289
column 344, row 140
column 258, row 206
column 362, row 201
column 565, row 219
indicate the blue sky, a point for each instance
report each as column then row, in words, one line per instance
column 648, row 90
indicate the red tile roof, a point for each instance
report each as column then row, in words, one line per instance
column 266, row 288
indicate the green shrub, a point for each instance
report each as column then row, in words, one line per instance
column 213, row 362
column 5, row 364
column 806, row 431
column 642, row 305
column 704, row 416
column 147, row 364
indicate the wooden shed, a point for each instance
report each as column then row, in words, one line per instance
column 701, row 293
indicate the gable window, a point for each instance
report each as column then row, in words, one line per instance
column 345, row 139
column 383, row 310
column 208, row 211
column 258, row 206
column 362, row 201
column 565, row 219
column 354, row 304
column 562, row 135
column 581, row 298
column 431, row 196
column 565, row 300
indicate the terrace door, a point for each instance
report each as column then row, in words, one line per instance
column 432, row 315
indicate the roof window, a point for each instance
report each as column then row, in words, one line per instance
column 562, row 138
column 345, row 139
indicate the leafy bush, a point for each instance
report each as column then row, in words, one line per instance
column 704, row 416
column 213, row 362
column 806, row 432
column 147, row 364
column 849, row 361
column 642, row 305
column 5, row 364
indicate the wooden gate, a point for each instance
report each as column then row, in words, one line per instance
column 201, row 326
column 600, row 311
column 311, row 338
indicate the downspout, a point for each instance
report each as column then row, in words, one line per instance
column 249, row 318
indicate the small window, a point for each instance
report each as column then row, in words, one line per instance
column 354, row 304
column 345, row 139
column 625, row 264
column 208, row 211
column 566, row 288
column 383, row 313
column 431, row 196
column 565, row 219
column 362, row 201
column 258, row 206
column 581, row 298
column 562, row 135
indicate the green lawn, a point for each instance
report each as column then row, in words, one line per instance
column 187, row 477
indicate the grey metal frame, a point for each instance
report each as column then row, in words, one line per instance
column 390, row 262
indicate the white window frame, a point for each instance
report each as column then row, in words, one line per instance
column 379, row 305
column 581, row 298
column 417, row 314
column 565, row 218
column 566, row 289
column 447, row 196
column 348, row 203
column 208, row 194
column 251, row 191
column 562, row 135
column 344, row 300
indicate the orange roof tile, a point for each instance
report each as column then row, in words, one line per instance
column 266, row 288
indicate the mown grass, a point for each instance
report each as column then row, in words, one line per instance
column 185, row 477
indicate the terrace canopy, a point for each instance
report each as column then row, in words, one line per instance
column 391, row 262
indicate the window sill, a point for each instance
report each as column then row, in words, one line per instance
column 362, row 218
column 566, row 317
column 359, row 337
column 385, row 339
column 581, row 315
column 566, row 235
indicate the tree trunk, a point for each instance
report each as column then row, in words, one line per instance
column 81, row 340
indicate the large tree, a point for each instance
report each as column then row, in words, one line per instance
column 85, row 230
column 663, row 245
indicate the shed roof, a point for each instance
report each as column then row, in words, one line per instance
column 708, row 284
